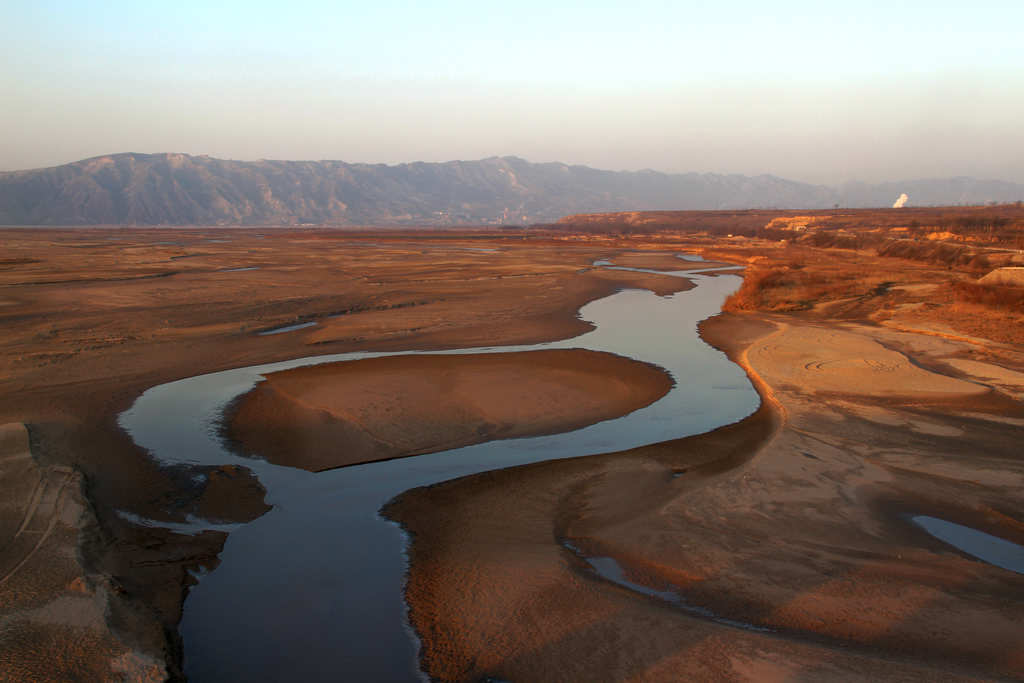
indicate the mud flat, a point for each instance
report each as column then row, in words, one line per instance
column 332, row 415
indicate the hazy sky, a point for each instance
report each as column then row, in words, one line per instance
column 814, row 91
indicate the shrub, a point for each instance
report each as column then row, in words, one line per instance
column 1006, row 297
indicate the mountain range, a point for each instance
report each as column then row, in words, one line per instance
column 180, row 189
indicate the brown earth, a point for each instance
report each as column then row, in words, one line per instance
column 326, row 416
column 53, row 623
column 794, row 519
column 93, row 317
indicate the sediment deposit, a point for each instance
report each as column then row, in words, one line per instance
column 333, row 415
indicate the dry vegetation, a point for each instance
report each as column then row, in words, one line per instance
column 915, row 268
column 829, row 283
column 793, row 286
column 981, row 224
column 950, row 307
column 1004, row 297
column 924, row 278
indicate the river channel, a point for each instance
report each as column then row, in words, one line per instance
column 314, row 589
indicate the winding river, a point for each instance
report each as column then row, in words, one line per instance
column 313, row 590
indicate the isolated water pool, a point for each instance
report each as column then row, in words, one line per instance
column 287, row 328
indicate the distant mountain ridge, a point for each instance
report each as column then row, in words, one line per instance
column 180, row 189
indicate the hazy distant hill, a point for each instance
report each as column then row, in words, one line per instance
column 178, row 189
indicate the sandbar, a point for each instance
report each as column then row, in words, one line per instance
column 325, row 416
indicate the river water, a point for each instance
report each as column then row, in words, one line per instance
column 313, row 590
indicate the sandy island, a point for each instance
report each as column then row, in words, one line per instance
column 338, row 414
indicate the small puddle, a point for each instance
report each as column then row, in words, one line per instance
column 609, row 569
column 238, row 270
column 985, row 547
column 286, row 328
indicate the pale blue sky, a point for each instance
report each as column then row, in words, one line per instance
column 808, row 90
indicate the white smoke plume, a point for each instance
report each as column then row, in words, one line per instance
column 901, row 201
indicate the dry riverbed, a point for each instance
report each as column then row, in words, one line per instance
column 786, row 539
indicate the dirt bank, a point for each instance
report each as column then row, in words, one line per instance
column 54, row 614
column 338, row 414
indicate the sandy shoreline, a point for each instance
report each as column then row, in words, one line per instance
column 338, row 414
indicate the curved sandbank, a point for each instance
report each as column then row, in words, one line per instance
column 487, row 552
column 792, row 519
column 338, row 414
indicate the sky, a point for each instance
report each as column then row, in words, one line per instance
column 822, row 92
